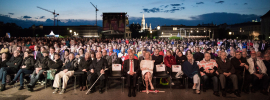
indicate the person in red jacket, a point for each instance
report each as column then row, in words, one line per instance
column 169, row 60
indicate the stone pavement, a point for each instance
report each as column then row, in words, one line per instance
column 114, row 93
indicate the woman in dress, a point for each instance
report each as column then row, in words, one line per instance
column 147, row 71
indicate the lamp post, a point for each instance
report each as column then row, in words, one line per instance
column 230, row 33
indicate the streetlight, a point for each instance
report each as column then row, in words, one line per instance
column 230, row 33
column 70, row 31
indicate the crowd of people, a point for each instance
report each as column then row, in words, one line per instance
column 238, row 66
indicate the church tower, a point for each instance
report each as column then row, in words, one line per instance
column 143, row 24
column 150, row 29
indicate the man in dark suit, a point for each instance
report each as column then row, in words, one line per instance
column 132, row 69
column 198, row 56
column 37, row 54
column 97, row 68
column 263, row 46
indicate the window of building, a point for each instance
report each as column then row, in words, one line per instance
column 174, row 28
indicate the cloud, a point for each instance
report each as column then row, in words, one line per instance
column 245, row 3
column 153, row 10
column 41, row 17
column 175, row 4
column 220, row 2
column 166, row 6
column 11, row 13
column 26, row 17
column 198, row 3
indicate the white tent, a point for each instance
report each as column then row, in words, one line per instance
column 51, row 33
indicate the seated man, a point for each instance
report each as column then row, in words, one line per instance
column 226, row 70
column 258, row 73
column 55, row 67
column 66, row 73
column 132, row 69
column 241, row 71
column 208, row 69
column 84, row 67
column 97, row 68
column 40, row 66
column 13, row 65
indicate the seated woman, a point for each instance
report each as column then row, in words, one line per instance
column 26, row 68
column 169, row 60
column 191, row 69
column 4, row 60
column 180, row 58
column 147, row 66
column 4, row 49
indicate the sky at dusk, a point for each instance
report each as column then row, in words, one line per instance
column 166, row 9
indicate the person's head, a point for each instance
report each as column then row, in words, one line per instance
column 5, row 45
column 189, row 56
column 156, row 52
column 110, row 49
column 253, row 54
column 144, row 51
column 223, row 55
column 147, row 55
column 99, row 48
column 168, row 53
column 131, row 56
column 26, row 53
column 207, row 56
column 52, row 50
column 57, row 50
column 45, row 53
column 71, row 56
column 87, row 55
column 180, row 54
column 104, row 52
column 66, row 52
column 36, row 48
column 238, row 54
column 197, row 49
column 244, row 54
column 56, row 56
column 42, row 49
column 4, row 56
column 16, row 53
column 259, row 54
column 266, row 57
column 81, row 51
column 19, row 48
column 98, row 55
column 232, row 53
column 92, row 54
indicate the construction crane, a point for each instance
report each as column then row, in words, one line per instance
column 96, row 11
column 54, row 14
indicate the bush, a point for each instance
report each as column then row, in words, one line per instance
column 176, row 38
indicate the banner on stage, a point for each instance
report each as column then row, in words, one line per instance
column 176, row 68
column 160, row 67
column 116, row 67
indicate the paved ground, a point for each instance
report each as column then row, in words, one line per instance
column 114, row 93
